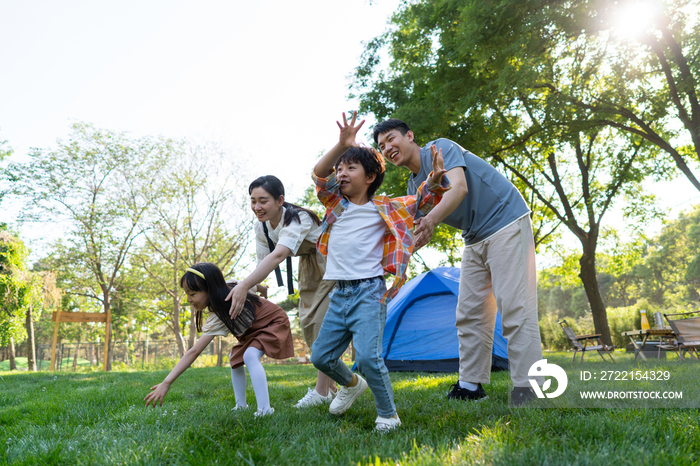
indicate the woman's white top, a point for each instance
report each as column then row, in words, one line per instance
column 290, row 236
column 356, row 244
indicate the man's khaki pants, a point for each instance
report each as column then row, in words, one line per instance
column 499, row 273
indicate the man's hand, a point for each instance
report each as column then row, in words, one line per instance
column 348, row 132
column 438, row 165
column 237, row 296
column 157, row 395
column 423, row 232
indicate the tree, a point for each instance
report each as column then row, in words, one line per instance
column 668, row 276
column 13, row 290
column 649, row 70
column 198, row 217
column 461, row 70
column 5, row 151
column 99, row 183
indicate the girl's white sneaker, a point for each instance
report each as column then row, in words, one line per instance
column 258, row 414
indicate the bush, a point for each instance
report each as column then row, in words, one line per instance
column 554, row 338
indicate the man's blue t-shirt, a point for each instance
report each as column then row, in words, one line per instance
column 492, row 201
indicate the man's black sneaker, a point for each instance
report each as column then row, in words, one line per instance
column 460, row 393
column 520, row 396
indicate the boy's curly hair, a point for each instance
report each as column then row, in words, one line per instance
column 371, row 161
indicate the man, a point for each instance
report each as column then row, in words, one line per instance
column 498, row 264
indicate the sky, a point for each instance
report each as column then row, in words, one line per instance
column 266, row 79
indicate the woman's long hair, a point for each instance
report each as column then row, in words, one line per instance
column 274, row 187
column 216, row 287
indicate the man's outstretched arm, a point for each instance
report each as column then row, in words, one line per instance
column 450, row 200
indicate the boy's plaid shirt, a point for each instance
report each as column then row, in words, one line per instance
column 398, row 214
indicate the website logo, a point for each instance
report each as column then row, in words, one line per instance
column 543, row 369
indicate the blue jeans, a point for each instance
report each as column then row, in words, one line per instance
column 355, row 313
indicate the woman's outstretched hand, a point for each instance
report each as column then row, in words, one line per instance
column 237, row 296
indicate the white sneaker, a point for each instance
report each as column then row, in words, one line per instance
column 313, row 398
column 386, row 424
column 347, row 396
column 258, row 414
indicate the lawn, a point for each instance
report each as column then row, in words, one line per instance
column 99, row 418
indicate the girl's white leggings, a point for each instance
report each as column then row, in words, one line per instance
column 251, row 360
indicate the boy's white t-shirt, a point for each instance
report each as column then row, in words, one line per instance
column 356, row 244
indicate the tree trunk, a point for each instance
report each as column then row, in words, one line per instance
column 91, row 354
column 217, row 348
column 31, row 346
column 127, row 360
column 595, row 300
column 75, row 356
column 13, row 363
column 110, row 357
column 109, row 336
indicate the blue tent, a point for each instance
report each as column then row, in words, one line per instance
column 420, row 332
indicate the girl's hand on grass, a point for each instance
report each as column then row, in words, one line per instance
column 157, row 395
column 237, row 296
column 438, row 164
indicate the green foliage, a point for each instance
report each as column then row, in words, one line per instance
column 5, row 152
column 653, row 274
column 15, row 287
column 99, row 183
column 290, row 302
column 506, row 80
column 198, row 215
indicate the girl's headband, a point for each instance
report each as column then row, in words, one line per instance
column 196, row 272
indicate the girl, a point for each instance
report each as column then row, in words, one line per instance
column 290, row 230
column 262, row 328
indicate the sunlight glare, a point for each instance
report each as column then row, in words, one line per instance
column 633, row 18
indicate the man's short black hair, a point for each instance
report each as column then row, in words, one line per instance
column 387, row 125
column 371, row 161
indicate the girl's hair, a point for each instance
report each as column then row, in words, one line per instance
column 273, row 186
column 215, row 286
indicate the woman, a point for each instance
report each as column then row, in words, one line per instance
column 286, row 230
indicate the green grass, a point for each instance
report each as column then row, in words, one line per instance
column 99, row 418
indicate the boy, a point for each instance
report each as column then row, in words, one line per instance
column 370, row 235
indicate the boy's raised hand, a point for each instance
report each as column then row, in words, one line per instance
column 438, row 164
column 349, row 131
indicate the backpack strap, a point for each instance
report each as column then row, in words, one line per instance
column 278, row 272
